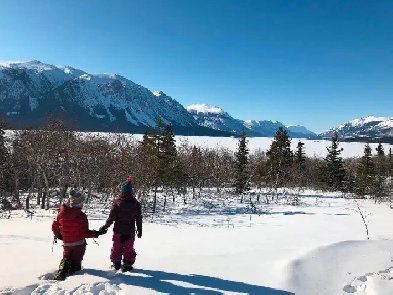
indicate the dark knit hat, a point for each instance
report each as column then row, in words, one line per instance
column 126, row 186
column 76, row 198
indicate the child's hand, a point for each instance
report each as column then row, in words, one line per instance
column 103, row 230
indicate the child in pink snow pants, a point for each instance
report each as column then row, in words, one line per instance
column 126, row 213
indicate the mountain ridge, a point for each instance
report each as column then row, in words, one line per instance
column 31, row 90
column 369, row 126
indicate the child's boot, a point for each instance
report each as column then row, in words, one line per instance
column 74, row 268
column 62, row 272
column 127, row 266
column 116, row 265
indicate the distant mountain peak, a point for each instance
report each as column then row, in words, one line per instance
column 158, row 93
column 205, row 109
column 300, row 129
column 370, row 126
column 216, row 118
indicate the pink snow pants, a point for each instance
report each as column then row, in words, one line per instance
column 125, row 251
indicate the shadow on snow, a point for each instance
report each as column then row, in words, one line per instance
column 158, row 281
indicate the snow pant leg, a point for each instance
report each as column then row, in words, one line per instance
column 74, row 255
column 78, row 252
column 129, row 251
column 67, row 254
column 117, row 248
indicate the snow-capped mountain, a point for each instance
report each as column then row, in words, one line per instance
column 363, row 127
column 299, row 129
column 31, row 90
column 216, row 118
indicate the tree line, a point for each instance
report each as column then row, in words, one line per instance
column 43, row 164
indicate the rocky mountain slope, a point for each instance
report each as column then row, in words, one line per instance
column 363, row 127
column 216, row 118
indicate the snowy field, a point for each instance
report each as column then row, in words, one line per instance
column 318, row 247
column 313, row 148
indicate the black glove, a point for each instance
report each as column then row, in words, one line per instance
column 103, row 230
column 59, row 237
column 96, row 233
column 124, row 238
column 139, row 234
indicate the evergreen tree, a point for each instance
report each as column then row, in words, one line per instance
column 390, row 163
column 380, row 187
column 279, row 159
column 241, row 183
column 332, row 173
column 168, row 169
column 4, row 156
column 380, row 150
column 300, row 156
column 299, row 164
column 365, row 176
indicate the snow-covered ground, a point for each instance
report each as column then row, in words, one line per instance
column 319, row 247
column 313, row 148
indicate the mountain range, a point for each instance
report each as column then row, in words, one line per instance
column 30, row 91
column 369, row 126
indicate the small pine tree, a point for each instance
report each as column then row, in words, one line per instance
column 169, row 168
column 390, row 163
column 241, row 166
column 299, row 164
column 381, row 167
column 4, row 155
column 300, row 156
column 332, row 173
column 365, row 176
column 380, row 150
column 279, row 159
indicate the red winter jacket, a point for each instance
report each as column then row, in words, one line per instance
column 72, row 224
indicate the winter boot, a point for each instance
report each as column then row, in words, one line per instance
column 116, row 265
column 74, row 269
column 62, row 272
column 127, row 266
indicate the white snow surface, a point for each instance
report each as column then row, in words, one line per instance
column 313, row 148
column 318, row 247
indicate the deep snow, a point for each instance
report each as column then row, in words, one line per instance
column 313, row 148
column 319, row 247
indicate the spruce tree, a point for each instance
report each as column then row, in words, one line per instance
column 241, row 166
column 380, row 150
column 279, row 159
column 380, row 187
column 168, row 168
column 365, row 176
column 300, row 156
column 390, row 163
column 332, row 173
column 3, row 157
column 299, row 164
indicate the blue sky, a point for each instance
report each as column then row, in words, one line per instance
column 315, row 63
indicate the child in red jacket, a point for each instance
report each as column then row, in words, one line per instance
column 72, row 227
column 126, row 213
